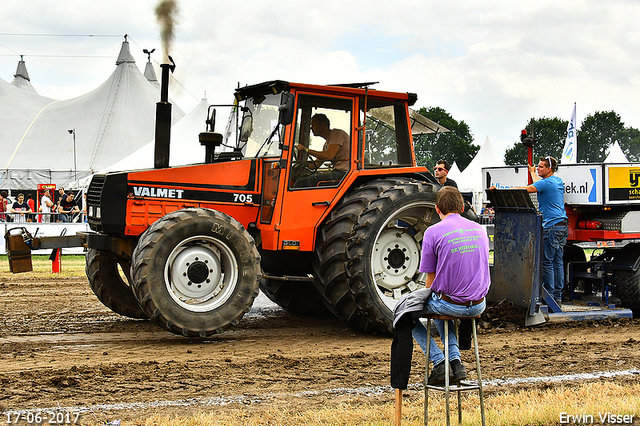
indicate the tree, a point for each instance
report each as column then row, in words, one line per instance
column 456, row 145
column 597, row 134
column 600, row 131
column 550, row 135
column 630, row 144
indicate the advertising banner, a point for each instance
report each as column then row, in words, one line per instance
column 582, row 182
column 622, row 183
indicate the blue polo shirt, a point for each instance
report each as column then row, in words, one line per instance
column 551, row 200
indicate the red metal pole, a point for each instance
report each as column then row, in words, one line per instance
column 56, row 263
column 529, row 162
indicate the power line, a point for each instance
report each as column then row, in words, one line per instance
column 58, row 56
column 8, row 48
column 79, row 56
column 59, row 35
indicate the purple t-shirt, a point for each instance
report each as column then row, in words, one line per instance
column 457, row 250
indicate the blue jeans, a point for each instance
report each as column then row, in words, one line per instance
column 435, row 305
column 554, row 240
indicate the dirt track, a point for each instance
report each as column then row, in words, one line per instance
column 60, row 347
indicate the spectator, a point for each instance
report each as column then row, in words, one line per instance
column 32, row 207
column 61, row 196
column 441, row 170
column 455, row 257
column 20, row 208
column 45, row 206
column 4, row 206
column 68, row 207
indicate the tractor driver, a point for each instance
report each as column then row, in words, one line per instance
column 335, row 150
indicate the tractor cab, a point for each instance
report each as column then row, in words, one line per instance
column 315, row 143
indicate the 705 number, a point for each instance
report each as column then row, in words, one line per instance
column 243, row 198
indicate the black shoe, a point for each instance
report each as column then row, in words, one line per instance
column 458, row 372
column 437, row 375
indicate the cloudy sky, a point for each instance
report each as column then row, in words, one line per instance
column 493, row 64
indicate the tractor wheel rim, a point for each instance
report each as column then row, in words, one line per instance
column 201, row 273
column 396, row 252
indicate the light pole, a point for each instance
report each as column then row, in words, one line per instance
column 75, row 169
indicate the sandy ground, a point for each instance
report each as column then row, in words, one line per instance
column 60, row 347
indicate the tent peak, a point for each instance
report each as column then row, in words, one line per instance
column 125, row 54
column 21, row 78
column 616, row 155
column 21, row 71
column 150, row 74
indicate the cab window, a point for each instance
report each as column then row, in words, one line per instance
column 386, row 144
column 321, row 152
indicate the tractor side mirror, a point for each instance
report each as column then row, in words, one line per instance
column 286, row 109
column 246, row 128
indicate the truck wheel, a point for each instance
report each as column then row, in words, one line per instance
column 627, row 282
column 299, row 298
column 108, row 285
column 196, row 271
column 369, row 251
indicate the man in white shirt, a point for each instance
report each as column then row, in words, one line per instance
column 45, row 206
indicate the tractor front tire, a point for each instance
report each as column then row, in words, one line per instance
column 196, row 271
column 109, row 286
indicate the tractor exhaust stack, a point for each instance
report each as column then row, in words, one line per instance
column 163, row 120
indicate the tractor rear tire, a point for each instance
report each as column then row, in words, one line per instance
column 108, row 285
column 300, row 298
column 196, row 271
column 378, row 225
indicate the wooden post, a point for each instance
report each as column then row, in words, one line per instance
column 398, row 414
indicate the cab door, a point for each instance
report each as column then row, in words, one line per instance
column 309, row 191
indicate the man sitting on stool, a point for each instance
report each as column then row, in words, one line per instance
column 455, row 257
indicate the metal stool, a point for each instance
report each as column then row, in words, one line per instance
column 463, row 386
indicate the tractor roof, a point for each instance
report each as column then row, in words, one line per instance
column 277, row 86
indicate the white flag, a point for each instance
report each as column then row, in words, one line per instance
column 569, row 153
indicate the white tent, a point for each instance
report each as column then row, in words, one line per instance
column 18, row 109
column 184, row 149
column 109, row 123
column 455, row 173
column 470, row 179
column 616, row 155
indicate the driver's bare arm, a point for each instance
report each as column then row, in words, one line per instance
column 327, row 155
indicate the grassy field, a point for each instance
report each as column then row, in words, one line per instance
column 537, row 406
column 524, row 407
column 71, row 266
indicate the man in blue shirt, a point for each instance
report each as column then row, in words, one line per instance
column 550, row 189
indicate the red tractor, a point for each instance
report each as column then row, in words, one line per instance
column 189, row 246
